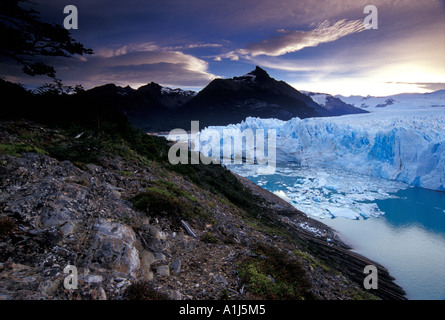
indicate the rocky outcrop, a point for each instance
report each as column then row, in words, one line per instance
column 64, row 216
column 67, row 216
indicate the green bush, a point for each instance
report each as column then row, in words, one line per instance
column 17, row 149
column 158, row 202
column 209, row 238
column 274, row 275
column 161, row 202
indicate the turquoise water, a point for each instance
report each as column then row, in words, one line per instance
column 416, row 207
column 409, row 240
column 400, row 227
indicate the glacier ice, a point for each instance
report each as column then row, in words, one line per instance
column 403, row 144
column 325, row 192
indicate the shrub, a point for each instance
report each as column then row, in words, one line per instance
column 275, row 275
column 209, row 238
column 158, row 202
column 17, row 149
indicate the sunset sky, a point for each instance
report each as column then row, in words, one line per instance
column 316, row 45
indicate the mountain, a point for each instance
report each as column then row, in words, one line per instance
column 149, row 107
column 255, row 94
column 222, row 102
column 333, row 106
column 397, row 102
column 167, row 97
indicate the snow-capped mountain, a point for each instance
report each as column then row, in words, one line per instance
column 333, row 106
column 400, row 101
column 177, row 91
column 164, row 96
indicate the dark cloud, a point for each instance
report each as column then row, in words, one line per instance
column 123, row 66
column 140, row 67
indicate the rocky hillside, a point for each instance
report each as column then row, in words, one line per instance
column 104, row 199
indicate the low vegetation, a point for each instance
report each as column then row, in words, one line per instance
column 17, row 149
column 275, row 275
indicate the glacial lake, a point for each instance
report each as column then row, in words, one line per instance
column 392, row 223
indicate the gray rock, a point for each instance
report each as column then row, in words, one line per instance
column 68, row 228
column 176, row 295
column 188, row 229
column 163, row 271
column 102, row 294
column 176, row 267
column 159, row 256
column 49, row 287
column 95, row 278
column 147, row 259
column 116, row 247
column 221, row 279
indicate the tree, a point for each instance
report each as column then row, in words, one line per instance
column 24, row 37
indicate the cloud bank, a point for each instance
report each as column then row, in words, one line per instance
column 136, row 64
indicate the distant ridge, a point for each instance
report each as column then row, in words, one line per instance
column 333, row 106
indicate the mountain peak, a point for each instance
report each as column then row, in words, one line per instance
column 259, row 73
column 256, row 76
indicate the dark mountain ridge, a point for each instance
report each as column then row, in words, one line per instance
column 255, row 94
column 222, row 102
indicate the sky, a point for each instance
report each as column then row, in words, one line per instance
column 314, row 45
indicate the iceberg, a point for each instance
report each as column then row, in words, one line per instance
column 406, row 145
column 325, row 192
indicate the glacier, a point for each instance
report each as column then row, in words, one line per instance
column 405, row 144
